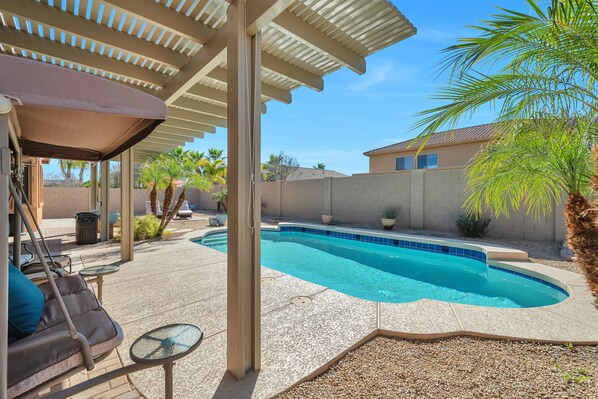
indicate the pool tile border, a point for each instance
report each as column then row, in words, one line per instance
column 419, row 246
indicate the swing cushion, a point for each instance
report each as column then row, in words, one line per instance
column 25, row 304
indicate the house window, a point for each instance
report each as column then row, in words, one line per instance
column 427, row 161
column 405, row 163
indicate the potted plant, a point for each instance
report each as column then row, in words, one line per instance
column 221, row 197
column 389, row 217
column 326, row 219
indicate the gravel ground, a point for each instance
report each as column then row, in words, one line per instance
column 456, row 368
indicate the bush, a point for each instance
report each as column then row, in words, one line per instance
column 473, row 226
column 390, row 212
column 145, row 227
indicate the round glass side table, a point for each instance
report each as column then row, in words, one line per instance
column 96, row 274
column 163, row 346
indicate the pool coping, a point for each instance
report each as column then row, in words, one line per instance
column 573, row 320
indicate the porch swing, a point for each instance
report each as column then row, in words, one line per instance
column 61, row 113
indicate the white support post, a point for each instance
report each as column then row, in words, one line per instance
column 243, row 278
column 126, row 205
column 17, row 220
column 93, row 186
column 5, row 107
column 104, row 200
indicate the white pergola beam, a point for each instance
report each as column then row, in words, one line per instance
column 199, row 106
column 293, row 72
column 183, row 124
column 79, row 26
column 311, row 36
column 269, row 91
column 165, row 18
column 186, row 106
column 208, row 93
column 160, row 134
column 261, row 12
column 166, row 141
column 207, row 58
column 179, row 132
column 52, row 49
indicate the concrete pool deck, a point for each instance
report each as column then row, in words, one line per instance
column 177, row 280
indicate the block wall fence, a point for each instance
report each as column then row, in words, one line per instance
column 427, row 199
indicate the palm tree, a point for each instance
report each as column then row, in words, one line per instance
column 215, row 154
column 534, row 166
column 81, row 165
column 533, row 65
column 170, row 166
column 320, row 166
column 188, row 177
column 66, row 168
column 151, row 176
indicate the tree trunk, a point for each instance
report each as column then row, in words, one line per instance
column 168, row 195
column 176, row 209
column 154, row 200
column 581, row 218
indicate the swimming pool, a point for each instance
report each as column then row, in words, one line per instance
column 384, row 269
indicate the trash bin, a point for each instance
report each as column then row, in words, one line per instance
column 86, row 229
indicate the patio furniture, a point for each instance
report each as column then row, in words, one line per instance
column 51, row 353
column 96, row 274
column 163, row 346
column 185, row 212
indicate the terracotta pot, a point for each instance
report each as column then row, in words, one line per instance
column 327, row 219
column 388, row 223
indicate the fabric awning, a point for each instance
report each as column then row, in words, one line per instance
column 64, row 113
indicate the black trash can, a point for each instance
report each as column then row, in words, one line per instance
column 86, row 230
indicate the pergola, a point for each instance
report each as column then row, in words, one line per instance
column 215, row 63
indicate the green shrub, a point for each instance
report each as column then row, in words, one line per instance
column 390, row 212
column 145, row 227
column 473, row 226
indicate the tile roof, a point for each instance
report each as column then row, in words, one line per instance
column 466, row 134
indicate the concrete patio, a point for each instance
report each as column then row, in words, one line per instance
column 177, row 280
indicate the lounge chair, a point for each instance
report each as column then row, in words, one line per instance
column 185, row 212
column 148, row 209
column 30, row 264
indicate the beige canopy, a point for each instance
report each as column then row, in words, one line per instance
column 63, row 113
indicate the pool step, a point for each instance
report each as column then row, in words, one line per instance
column 214, row 241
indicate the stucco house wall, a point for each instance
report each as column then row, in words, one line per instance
column 453, row 155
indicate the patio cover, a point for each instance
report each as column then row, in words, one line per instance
column 63, row 113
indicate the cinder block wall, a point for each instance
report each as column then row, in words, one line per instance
column 65, row 202
column 430, row 199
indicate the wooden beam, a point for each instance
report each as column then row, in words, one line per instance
column 311, row 36
column 50, row 48
column 188, row 105
column 183, row 124
column 76, row 25
column 261, row 12
column 271, row 92
column 292, row 72
column 165, row 18
column 199, row 106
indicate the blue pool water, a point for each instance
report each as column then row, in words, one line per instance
column 387, row 273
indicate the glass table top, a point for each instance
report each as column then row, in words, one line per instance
column 166, row 344
column 99, row 270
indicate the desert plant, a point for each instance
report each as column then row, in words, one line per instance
column 390, row 212
column 473, row 226
column 145, row 227
column 279, row 167
column 531, row 64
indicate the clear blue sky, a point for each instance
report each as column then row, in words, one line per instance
column 356, row 113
